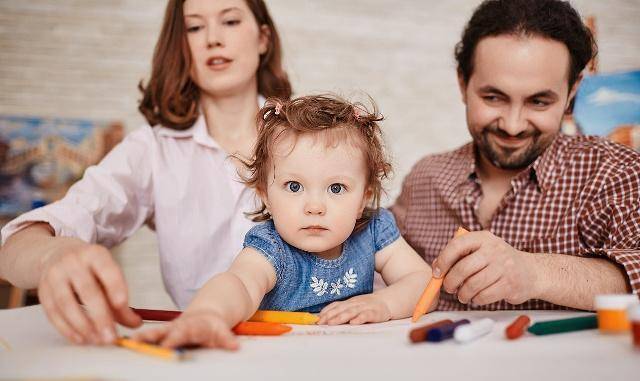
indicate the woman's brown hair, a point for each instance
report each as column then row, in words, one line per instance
column 171, row 98
column 340, row 120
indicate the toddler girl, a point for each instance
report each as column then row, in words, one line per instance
column 318, row 167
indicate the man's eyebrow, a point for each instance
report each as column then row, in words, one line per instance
column 492, row 89
column 545, row 94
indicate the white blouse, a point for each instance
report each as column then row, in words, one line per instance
column 180, row 183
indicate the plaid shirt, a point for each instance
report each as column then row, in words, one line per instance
column 580, row 197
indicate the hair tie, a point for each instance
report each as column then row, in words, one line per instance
column 359, row 113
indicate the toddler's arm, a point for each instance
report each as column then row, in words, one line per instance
column 224, row 301
column 405, row 273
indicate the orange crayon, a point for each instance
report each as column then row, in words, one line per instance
column 251, row 328
column 418, row 335
column 517, row 328
column 432, row 290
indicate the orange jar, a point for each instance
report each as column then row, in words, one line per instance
column 612, row 312
column 634, row 317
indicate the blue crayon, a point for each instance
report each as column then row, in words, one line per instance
column 444, row 332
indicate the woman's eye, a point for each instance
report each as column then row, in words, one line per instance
column 336, row 188
column 192, row 29
column 294, row 186
column 231, row 22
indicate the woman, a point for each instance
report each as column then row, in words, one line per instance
column 211, row 62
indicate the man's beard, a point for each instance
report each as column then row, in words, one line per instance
column 512, row 159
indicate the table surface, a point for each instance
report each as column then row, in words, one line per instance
column 30, row 348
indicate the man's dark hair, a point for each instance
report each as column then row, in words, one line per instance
column 553, row 19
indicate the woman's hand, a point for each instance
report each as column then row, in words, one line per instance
column 199, row 328
column 358, row 310
column 75, row 273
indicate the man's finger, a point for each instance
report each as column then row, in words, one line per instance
column 475, row 284
column 457, row 248
column 491, row 294
column 465, row 268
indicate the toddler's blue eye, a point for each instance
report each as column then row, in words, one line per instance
column 294, row 186
column 336, row 188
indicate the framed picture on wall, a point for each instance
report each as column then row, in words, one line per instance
column 608, row 105
column 41, row 157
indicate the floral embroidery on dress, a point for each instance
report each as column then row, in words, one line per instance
column 336, row 286
column 319, row 286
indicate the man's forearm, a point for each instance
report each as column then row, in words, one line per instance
column 575, row 281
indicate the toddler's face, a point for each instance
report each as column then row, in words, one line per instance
column 315, row 193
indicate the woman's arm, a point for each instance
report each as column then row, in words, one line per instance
column 67, row 269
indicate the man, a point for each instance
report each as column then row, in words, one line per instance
column 554, row 220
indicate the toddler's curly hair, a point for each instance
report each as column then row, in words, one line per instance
column 332, row 118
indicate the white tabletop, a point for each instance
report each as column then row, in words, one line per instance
column 30, row 347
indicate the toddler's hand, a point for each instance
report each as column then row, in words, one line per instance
column 199, row 328
column 357, row 310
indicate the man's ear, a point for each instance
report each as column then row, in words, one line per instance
column 574, row 88
column 265, row 39
column 462, row 85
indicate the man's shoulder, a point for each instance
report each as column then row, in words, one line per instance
column 605, row 152
column 444, row 164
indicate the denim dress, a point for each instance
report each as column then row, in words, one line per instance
column 305, row 282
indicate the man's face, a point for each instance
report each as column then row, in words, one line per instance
column 516, row 97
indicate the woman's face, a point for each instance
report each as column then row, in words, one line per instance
column 225, row 42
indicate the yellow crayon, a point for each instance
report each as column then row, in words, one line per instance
column 285, row 317
column 150, row 349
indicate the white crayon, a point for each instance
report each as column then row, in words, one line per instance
column 470, row 332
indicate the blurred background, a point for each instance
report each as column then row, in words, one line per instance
column 83, row 59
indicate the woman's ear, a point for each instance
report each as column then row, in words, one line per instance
column 265, row 39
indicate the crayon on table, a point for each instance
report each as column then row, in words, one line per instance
column 251, row 328
column 267, row 316
column 517, row 328
column 150, row 349
column 156, row 315
column 285, row 317
column 418, row 335
column 444, row 332
column 432, row 290
column 469, row 332
column 564, row 325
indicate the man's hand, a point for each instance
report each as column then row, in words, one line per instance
column 360, row 309
column 74, row 274
column 482, row 269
